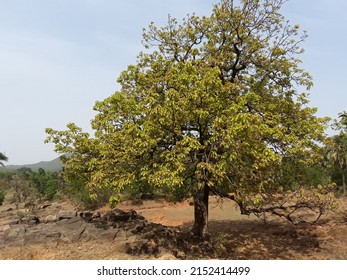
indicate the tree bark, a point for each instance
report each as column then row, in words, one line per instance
column 200, row 227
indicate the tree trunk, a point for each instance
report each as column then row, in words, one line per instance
column 201, row 212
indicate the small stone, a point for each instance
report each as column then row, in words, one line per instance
column 13, row 222
column 66, row 215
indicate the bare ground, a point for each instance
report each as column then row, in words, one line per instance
column 233, row 236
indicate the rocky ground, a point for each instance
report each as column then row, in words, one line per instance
column 160, row 230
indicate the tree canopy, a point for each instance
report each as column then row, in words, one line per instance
column 212, row 106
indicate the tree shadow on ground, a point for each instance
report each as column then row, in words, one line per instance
column 256, row 240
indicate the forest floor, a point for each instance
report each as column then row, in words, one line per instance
column 233, row 236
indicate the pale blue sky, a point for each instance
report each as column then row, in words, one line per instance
column 57, row 57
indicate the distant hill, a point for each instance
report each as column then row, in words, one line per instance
column 53, row 165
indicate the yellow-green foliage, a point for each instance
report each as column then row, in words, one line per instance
column 214, row 102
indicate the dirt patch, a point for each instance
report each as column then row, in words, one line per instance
column 163, row 233
column 178, row 214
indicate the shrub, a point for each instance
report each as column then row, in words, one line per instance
column 80, row 195
column 47, row 184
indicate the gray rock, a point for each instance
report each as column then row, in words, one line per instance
column 31, row 220
column 77, row 234
column 13, row 222
column 99, row 232
column 75, row 220
column 61, row 222
column 66, row 215
column 73, row 228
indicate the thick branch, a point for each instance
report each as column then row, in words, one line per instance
column 286, row 207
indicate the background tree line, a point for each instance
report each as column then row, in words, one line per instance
column 27, row 188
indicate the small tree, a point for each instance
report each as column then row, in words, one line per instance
column 21, row 188
column 213, row 108
column 337, row 148
column 2, row 158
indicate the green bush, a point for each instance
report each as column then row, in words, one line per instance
column 47, row 184
column 80, row 195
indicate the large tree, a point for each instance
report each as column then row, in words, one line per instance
column 212, row 106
